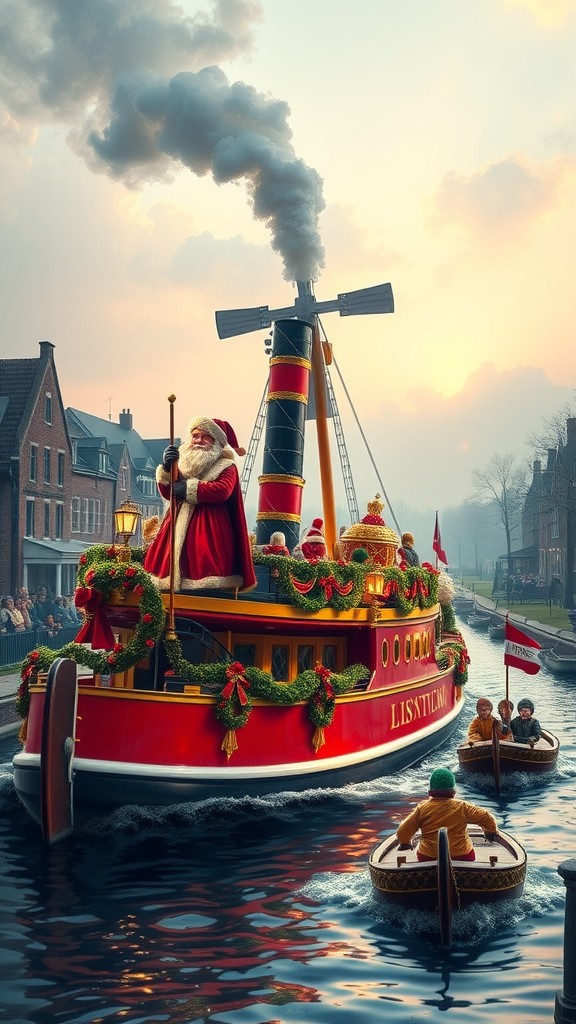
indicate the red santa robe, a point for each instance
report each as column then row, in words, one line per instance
column 211, row 546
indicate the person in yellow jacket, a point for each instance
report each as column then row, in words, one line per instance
column 443, row 810
column 481, row 726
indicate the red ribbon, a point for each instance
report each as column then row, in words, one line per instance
column 233, row 686
column 96, row 628
column 302, row 588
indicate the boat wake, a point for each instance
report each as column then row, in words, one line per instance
column 471, row 925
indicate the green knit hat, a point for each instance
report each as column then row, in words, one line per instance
column 442, row 779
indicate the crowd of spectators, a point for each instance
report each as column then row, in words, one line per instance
column 26, row 611
column 528, row 586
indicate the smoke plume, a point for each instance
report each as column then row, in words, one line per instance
column 129, row 79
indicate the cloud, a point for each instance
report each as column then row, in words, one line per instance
column 549, row 13
column 501, row 198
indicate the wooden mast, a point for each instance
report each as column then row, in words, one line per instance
column 326, row 474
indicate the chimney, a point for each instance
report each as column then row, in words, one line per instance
column 125, row 419
column 46, row 350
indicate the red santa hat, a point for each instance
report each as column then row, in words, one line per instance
column 220, row 430
column 315, row 533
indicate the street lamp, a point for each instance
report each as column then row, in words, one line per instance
column 126, row 523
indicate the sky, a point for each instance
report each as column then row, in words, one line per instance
column 163, row 161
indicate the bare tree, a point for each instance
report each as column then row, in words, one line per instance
column 501, row 487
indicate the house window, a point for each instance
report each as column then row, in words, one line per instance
column 30, row 517
column 97, row 516
column 33, row 463
column 75, row 515
column 48, row 407
column 90, row 508
column 60, row 469
column 555, row 527
column 47, row 520
column 102, row 462
column 122, row 478
column 46, row 465
column 59, row 521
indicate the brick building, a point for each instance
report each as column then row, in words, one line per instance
column 62, row 474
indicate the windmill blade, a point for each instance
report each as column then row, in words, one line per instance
column 230, row 322
column 363, row 301
column 378, row 299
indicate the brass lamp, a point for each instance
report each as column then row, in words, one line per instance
column 126, row 523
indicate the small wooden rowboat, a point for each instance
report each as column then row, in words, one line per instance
column 497, row 873
column 479, row 621
column 497, row 631
column 496, row 757
column 558, row 664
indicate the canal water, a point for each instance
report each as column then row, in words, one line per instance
column 261, row 911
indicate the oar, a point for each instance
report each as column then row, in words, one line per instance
column 496, row 755
column 445, row 888
column 170, row 631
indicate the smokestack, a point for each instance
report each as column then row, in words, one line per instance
column 281, row 483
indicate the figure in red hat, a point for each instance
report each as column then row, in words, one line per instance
column 211, row 545
column 314, row 543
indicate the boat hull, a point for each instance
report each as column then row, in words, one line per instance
column 498, row 873
column 142, row 752
column 513, row 757
column 558, row 664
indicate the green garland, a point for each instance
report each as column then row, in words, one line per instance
column 304, row 687
column 313, row 586
column 453, row 652
column 101, row 571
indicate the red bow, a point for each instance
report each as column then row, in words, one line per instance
column 96, row 628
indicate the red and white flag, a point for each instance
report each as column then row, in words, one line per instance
column 521, row 651
column 437, row 544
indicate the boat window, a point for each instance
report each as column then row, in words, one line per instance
column 385, row 652
column 396, row 654
column 280, row 662
column 416, row 646
column 244, row 653
column 305, row 657
column 408, row 648
column 330, row 656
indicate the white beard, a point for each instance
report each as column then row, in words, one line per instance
column 195, row 462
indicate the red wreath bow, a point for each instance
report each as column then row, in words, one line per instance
column 236, row 683
column 96, row 628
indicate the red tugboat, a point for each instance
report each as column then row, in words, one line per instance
column 329, row 671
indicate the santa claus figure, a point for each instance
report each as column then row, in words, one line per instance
column 313, row 545
column 210, row 535
column 277, row 545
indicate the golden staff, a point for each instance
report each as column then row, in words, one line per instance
column 170, row 632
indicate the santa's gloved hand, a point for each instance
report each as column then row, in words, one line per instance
column 505, row 728
column 490, row 836
column 179, row 488
column 170, row 455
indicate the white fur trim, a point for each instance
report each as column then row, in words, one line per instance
column 192, row 490
column 205, row 423
column 208, row 583
column 162, row 477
